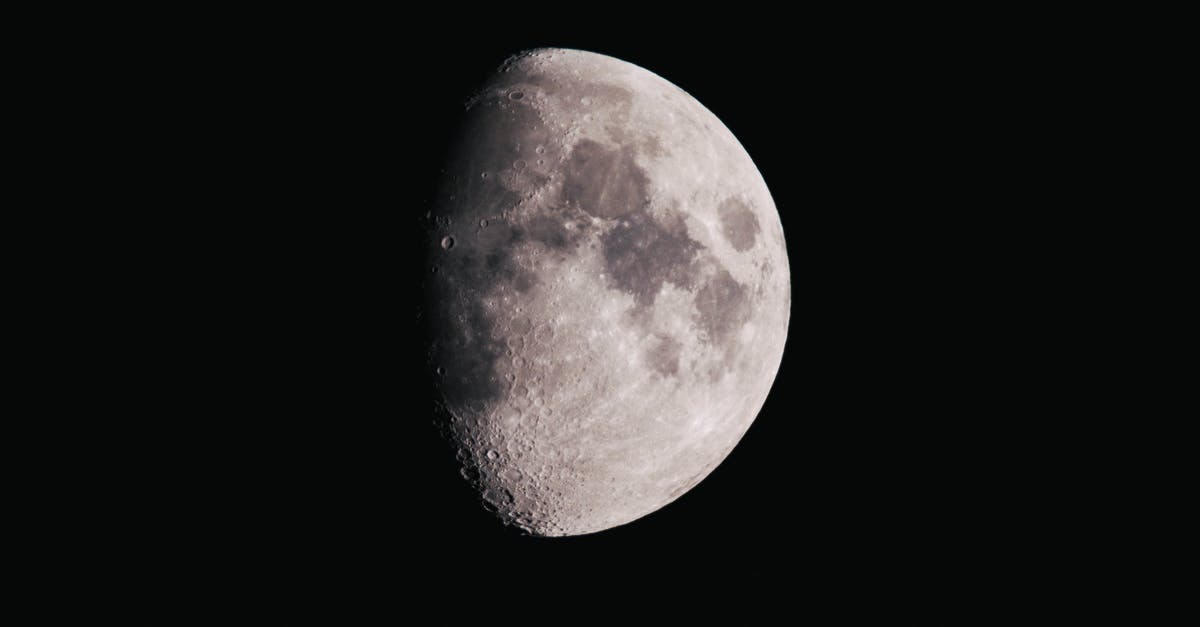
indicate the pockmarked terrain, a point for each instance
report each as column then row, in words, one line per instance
column 608, row 295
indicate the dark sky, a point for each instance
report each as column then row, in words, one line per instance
column 849, row 132
column 883, row 446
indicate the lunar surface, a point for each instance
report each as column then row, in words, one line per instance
column 608, row 294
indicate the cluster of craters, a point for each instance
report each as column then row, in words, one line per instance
column 525, row 191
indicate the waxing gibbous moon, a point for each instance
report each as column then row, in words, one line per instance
column 608, row 295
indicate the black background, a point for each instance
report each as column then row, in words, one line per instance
column 866, row 449
column 855, row 448
column 884, row 448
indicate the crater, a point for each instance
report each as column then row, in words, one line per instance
column 739, row 225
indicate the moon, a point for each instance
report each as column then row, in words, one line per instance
column 608, row 292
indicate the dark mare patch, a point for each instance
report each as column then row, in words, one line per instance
column 604, row 182
column 641, row 255
column 664, row 356
column 738, row 224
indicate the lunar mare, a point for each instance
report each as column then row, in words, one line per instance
column 608, row 296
